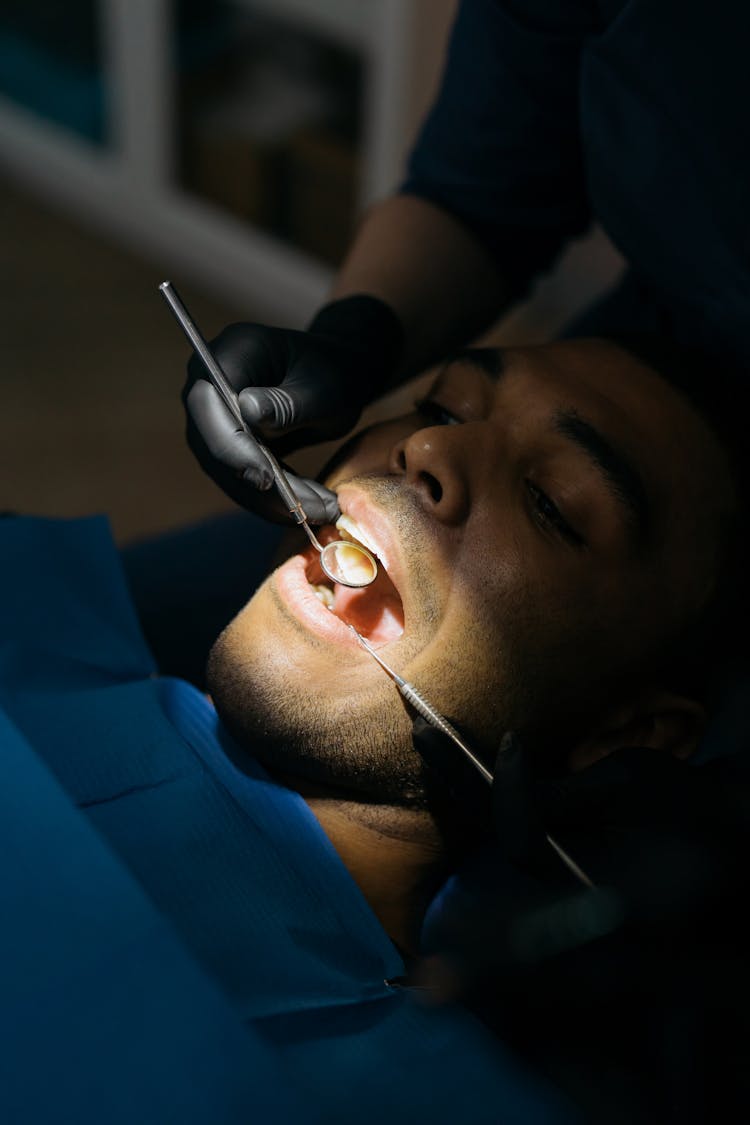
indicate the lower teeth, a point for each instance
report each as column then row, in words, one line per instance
column 325, row 594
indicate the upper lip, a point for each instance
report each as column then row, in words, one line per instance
column 378, row 530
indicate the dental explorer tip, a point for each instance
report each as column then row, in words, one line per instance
column 364, row 644
column 398, row 680
column 361, row 639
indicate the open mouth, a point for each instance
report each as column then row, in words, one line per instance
column 376, row 611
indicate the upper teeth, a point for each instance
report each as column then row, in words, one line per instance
column 350, row 529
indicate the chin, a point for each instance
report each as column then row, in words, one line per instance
column 354, row 742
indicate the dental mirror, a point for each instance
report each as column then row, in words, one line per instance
column 349, row 564
column 344, row 562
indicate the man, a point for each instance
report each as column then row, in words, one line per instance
column 550, row 523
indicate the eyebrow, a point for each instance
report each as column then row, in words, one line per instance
column 622, row 478
column 620, row 475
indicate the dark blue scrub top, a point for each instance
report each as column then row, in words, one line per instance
column 631, row 112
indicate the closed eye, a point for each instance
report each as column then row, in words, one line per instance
column 434, row 413
column 548, row 515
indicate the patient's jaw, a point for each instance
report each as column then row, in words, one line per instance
column 542, row 531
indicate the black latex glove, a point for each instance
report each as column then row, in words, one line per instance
column 631, row 993
column 647, row 829
column 295, row 389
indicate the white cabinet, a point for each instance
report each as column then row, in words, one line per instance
column 131, row 186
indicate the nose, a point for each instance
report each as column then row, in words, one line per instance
column 434, row 462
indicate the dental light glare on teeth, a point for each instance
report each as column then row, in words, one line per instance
column 343, row 561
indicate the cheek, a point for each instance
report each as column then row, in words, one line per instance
column 522, row 632
column 475, row 668
column 495, row 585
column 266, row 647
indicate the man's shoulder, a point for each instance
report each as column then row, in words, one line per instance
column 62, row 589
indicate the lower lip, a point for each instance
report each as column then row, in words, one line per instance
column 297, row 594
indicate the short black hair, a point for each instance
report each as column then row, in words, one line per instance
column 711, row 646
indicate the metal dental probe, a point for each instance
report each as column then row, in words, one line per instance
column 329, row 559
column 433, row 716
column 425, row 709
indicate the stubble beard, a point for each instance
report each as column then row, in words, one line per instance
column 358, row 744
column 360, row 747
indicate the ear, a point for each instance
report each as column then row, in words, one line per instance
column 661, row 720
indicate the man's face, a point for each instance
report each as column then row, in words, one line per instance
column 540, row 525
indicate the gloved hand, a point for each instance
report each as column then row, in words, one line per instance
column 295, row 389
column 607, row 819
column 629, row 992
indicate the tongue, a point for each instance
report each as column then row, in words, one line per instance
column 375, row 611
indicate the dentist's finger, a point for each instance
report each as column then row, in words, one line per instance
column 226, row 440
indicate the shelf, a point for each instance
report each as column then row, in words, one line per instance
column 240, row 263
column 129, row 186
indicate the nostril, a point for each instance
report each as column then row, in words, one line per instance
column 401, row 460
column 433, row 485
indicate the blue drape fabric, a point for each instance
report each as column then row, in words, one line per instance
column 180, row 941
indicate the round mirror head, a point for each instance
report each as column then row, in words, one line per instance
column 349, row 564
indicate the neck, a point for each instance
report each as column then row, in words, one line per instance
column 396, row 858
